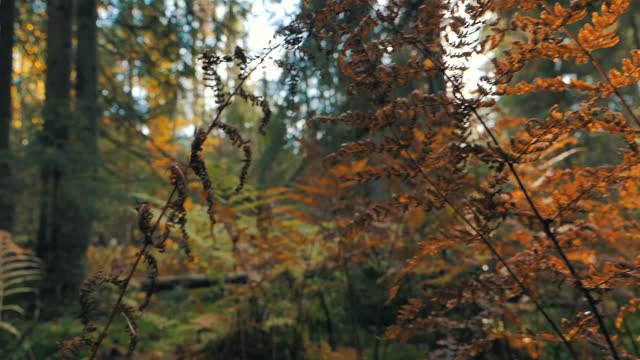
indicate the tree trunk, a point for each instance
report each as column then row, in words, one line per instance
column 87, row 108
column 7, row 201
column 87, row 68
column 61, row 243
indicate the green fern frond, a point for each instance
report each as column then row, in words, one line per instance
column 10, row 328
column 18, row 268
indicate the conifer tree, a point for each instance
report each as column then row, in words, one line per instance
column 7, row 19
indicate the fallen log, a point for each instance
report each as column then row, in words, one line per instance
column 196, row 281
column 192, row 281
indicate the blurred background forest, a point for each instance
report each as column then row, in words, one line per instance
column 99, row 98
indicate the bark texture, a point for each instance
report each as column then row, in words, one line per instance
column 7, row 187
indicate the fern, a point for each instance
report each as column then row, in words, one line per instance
column 18, row 268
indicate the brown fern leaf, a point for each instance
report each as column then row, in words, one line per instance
column 145, row 216
column 260, row 102
column 213, row 80
column 238, row 141
column 152, row 276
column 131, row 327
column 87, row 296
column 177, row 214
column 197, row 164
column 70, row 349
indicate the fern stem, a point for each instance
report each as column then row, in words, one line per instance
column 145, row 247
column 486, row 241
column 492, row 249
column 127, row 280
column 545, row 224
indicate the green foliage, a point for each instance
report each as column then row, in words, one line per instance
column 18, row 272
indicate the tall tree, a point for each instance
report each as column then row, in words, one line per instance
column 60, row 244
column 86, row 104
column 86, row 64
column 7, row 17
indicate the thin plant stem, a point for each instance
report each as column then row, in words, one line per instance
column 486, row 241
column 482, row 237
column 545, row 224
column 145, row 247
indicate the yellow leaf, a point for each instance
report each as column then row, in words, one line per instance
column 392, row 293
column 428, row 64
